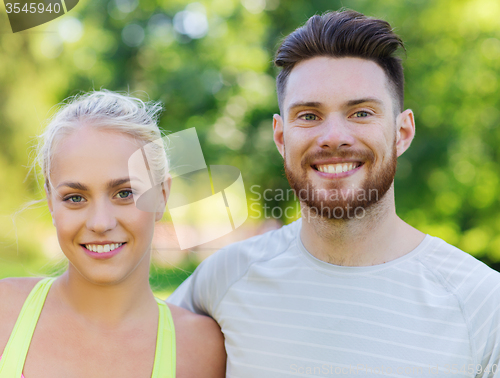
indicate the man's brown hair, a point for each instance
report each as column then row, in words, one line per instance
column 343, row 34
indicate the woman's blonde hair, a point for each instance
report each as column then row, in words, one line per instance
column 106, row 110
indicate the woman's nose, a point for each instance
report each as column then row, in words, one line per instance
column 101, row 217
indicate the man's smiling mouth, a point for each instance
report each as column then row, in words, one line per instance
column 337, row 168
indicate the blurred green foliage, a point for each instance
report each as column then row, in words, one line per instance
column 165, row 280
column 210, row 62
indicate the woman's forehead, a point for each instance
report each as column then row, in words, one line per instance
column 89, row 153
column 87, row 133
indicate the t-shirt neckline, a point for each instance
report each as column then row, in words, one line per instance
column 361, row 269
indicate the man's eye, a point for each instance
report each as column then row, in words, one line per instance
column 309, row 117
column 73, row 199
column 361, row 114
column 124, row 194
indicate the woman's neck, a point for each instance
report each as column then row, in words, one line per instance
column 106, row 305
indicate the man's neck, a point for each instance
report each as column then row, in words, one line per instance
column 376, row 238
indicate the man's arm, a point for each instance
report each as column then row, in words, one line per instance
column 202, row 292
column 198, row 292
column 183, row 297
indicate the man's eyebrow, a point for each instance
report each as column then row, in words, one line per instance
column 305, row 104
column 317, row 104
column 363, row 100
column 80, row 186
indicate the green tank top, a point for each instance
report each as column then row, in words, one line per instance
column 14, row 355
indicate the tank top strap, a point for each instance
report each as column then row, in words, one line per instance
column 14, row 355
column 165, row 357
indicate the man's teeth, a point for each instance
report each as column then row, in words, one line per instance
column 99, row 248
column 337, row 168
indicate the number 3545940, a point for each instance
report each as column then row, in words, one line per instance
column 33, row 8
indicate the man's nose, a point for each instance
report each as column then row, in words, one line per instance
column 335, row 133
column 101, row 217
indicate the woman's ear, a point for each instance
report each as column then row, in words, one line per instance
column 49, row 202
column 165, row 192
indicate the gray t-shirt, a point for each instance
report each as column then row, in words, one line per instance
column 432, row 312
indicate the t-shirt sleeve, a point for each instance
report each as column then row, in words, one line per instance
column 484, row 316
column 206, row 287
column 477, row 290
column 194, row 293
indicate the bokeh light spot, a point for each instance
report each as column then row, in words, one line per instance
column 133, row 35
column 70, row 29
column 192, row 21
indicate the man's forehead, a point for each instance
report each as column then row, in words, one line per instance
column 329, row 80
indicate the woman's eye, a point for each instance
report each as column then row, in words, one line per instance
column 361, row 114
column 73, row 199
column 309, row 117
column 124, row 194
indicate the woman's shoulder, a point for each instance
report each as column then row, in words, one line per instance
column 200, row 344
column 15, row 290
column 18, row 284
column 13, row 293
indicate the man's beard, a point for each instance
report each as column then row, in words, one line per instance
column 335, row 202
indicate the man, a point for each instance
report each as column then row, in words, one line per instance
column 350, row 288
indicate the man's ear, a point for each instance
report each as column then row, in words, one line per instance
column 49, row 202
column 278, row 133
column 165, row 192
column 405, row 131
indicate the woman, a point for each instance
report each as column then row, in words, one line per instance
column 100, row 318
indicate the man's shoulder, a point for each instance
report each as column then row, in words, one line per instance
column 261, row 247
column 460, row 272
column 220, row 271
column 476, row 287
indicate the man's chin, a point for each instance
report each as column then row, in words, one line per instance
column 347, row 198
column 336, row 210
column 336, row 196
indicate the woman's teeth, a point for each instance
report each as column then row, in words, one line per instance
column 102, row 248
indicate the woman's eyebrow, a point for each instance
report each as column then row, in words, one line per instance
column 73, row 185
column 80, row 186
column 117, row 182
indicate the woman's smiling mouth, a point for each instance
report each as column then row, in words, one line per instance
column 103, row 250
